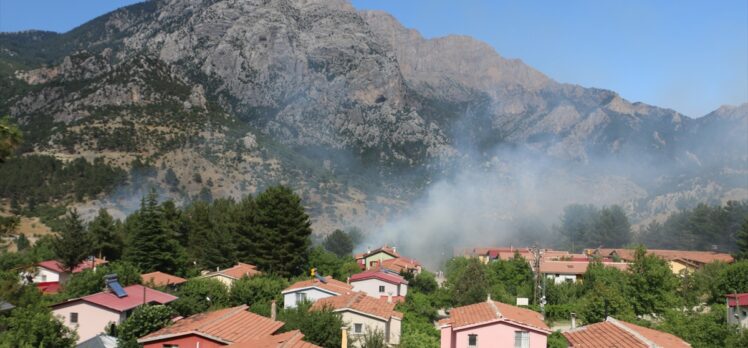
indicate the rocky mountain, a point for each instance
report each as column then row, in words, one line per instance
column 357, row 112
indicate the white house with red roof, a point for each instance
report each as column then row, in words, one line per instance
column 365, row 314
column 387, row 257
column 312, row 290
column 50, row 274
column 737, row 309
column 229, row 275
column 493, row 324
column 91, row 315
column 380, row 283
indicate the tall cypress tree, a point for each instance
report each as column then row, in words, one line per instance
column 151, row 245
column 73, row 244
column 246, row 234
column 284, row 230
column 103, row 231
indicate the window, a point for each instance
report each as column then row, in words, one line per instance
column 44, row 277
column 521, row 339
column 569, row 280
column 472, row 341
column 170, row 346
column 358, row 328
column 300, row 297
column 381, row 288
column 73, row 317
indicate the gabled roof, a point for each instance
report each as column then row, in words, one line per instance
column 400, row 264
column 332, row 285
column 54, row 265
column 360, row 302
column 291, row 339
column 383, row 249
column 99, row 341
column 48, row 288
column 575, row 267
column 227, row 325
column 701, row 257
column 742, row 299
column 620, row 334
column 161, row 279
column 237, row 271
column 492, row 311
column 379, row 274
column 135, row 297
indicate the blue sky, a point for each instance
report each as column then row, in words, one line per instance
column 691, row 56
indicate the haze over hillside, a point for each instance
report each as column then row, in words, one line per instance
column 372, row 124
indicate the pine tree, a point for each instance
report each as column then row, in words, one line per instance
column 210, row 237
column 246, row 234
column 73, row 244
column 339, row 243
column 284, row 230
column 106, row 241
column 743, row 241
column 151, row 245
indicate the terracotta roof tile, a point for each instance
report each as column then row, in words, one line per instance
column 359, row 301
column 742, row 299
column 234, row 324
column 237, row 271
column 575, row 267
column 702, row 257
column 379, row 274
column 620, row 334
column 385, row 249
column 291, row 339
column 134, row 298
column 332, row 285
column 161, row 279
column 489, row 311
column 400, row 264
column 56, row 266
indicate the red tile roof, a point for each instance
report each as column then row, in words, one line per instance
column 400, row 264
column 227, row 325
column 575, row 267
column 291, row 339
column 384, row 249
column 742, row 299
column 54, row 265
column 701, row 257
column 332, row 285
column 161, row 279
column 492, row 311
column 135, row 297
column 379, row 274
column 359, row 301
column 620, row 334
column 48, row 288
column 237, row 271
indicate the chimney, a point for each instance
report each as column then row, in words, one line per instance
column 488, row 298
column 394, row 249
column 218, row 269
column 368, row 249
column 389, row 297
column 573, row 320
column 273, row 310
column 348, row 280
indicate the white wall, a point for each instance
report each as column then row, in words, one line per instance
column 562, row 278
column 312, row 295
column 92, row 320
column 44, row 275
column 371, row 288
column 391, row 329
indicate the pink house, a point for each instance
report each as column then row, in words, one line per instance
column 91, row 315
column 493, row 324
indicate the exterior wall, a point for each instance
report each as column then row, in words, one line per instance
column 742, row 318
column 380, row 256
column 92, row 320
column 189, row 341
column 562, row 278
column 312, row 295
column 497, row 334
column 41, row 273
column 395, row 331
column 371, row 287
column 677, row 267
column 369, row 323
column 223, row 279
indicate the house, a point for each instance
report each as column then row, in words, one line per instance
column 387, row 257
column 679, row 260
column 380, row 283
column 365, row 314
column 737, row 309
column 494, row 324
column 91, row 315
column 229, row 275
column 572, row 271
column 223, row 327
column 313, row 290
column 161, row 279
column 616, row 333
column 50, row 274
column 290, row 339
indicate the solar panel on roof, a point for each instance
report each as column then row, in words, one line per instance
column 117, row 288
column 320, row 278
